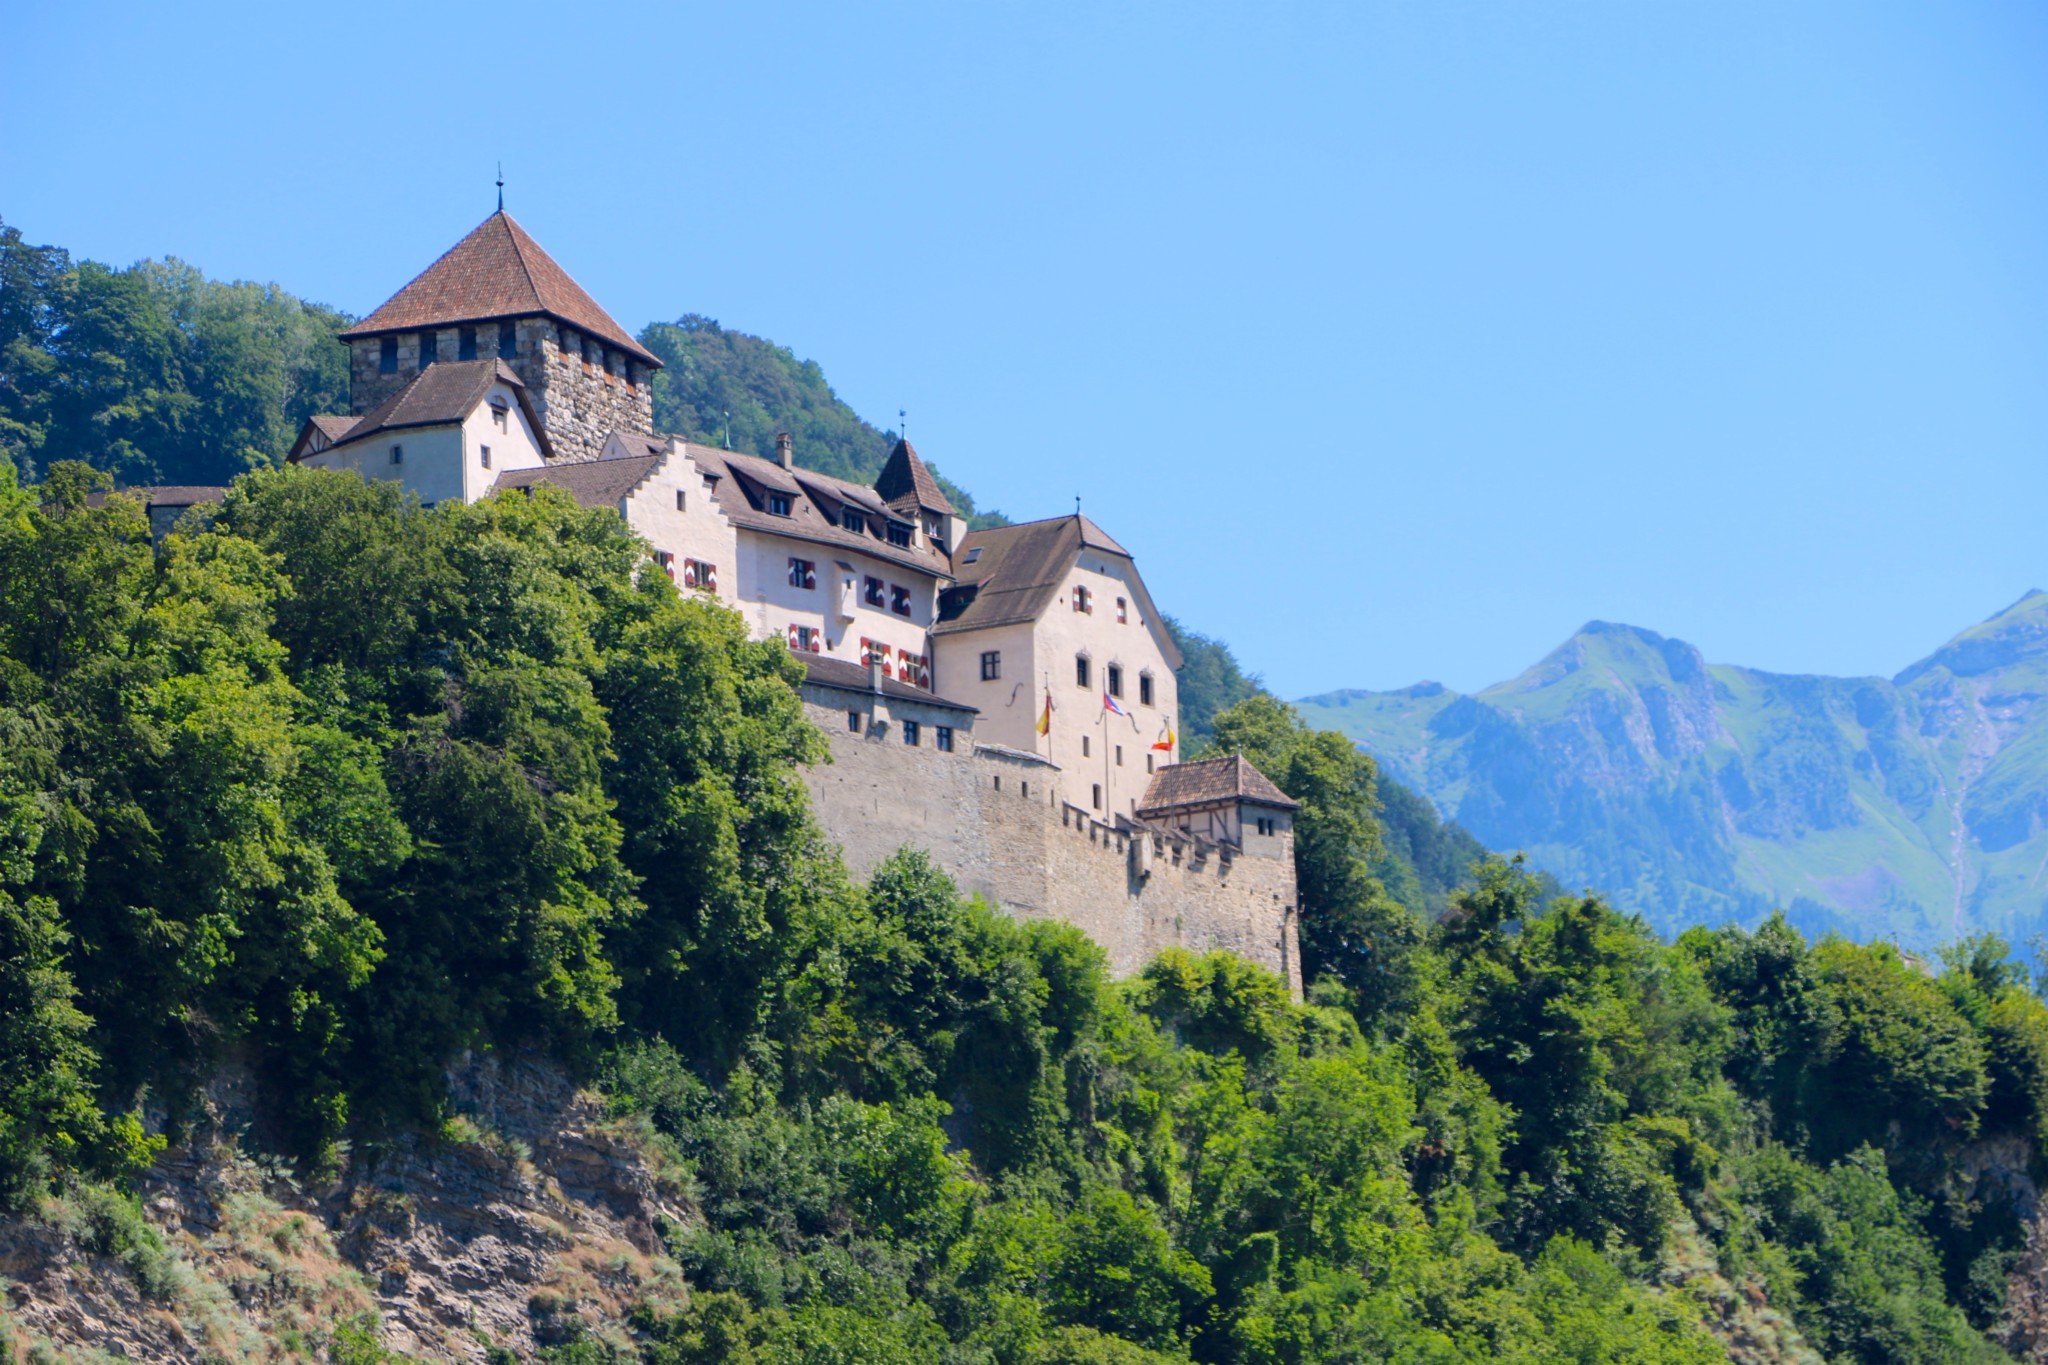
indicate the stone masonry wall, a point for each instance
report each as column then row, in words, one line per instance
column 578, row 405
column 991, row 817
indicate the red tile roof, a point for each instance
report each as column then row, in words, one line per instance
column 497, row 271
column 905, row 478
column 1019, row 571
column 1209, row 782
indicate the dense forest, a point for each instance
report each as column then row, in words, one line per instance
column 328, row 788
column 336, row 785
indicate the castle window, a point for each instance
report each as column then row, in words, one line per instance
column 1113, row 676
column 778, row 504
column 1123, row 612
column 1084, row 746
column 485, row 453
column 806, row 639
column 398, row 454
column 991, row 665
column 1081, row 599
column 430, row 348
column 899, row 600
column 387, row 356
column 465, row 344
column 589, row 353
column 942, row 738
column 1148, row 763
column 501, row 416
column 910, row 732
column 1119, row 755
column 1145, row 689
column 661, row 557
column 508, row 341
column 1080, row 670
column 853, row 521
column 871, row 591
column 1024, row 789
column 803, row 573
column 999, row 781
column 1098, row 796
column 681, row 501
column 853, row 722
column 899, row 534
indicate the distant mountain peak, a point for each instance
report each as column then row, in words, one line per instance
column 2015, row 635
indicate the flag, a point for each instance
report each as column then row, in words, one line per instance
column 1045, row 718
column 1109, row 705
column 1165, row 741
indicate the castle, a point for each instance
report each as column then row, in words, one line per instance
column 1003, row 698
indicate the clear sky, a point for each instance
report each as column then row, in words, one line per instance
column 1397, row 340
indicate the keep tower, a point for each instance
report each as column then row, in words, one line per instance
column 497, row 294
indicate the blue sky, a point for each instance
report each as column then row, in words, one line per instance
column 1397, row 340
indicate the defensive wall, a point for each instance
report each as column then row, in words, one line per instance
column 990, row 817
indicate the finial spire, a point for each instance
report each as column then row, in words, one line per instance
column 501, row 187
column 903, row 425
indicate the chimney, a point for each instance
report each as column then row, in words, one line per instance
column 784, row 454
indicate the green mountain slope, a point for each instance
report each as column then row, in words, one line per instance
column 1915, row 807
column 728, row 388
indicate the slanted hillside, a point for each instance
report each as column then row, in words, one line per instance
column 726, row 387
column 1914, row 807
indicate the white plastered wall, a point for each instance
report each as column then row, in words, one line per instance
column 1061, row 633
column 694, row 530
column 513, row 447
column 432, row 467
column 771, row 604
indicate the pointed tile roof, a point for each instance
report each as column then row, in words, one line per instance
column 1008, row 574
column 905, row 477
column 1209, row 781
column 497, row 271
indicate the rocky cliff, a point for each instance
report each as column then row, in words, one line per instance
column 1913, row 807
column 528, row 1222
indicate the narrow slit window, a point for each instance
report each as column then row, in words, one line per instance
column 465, row 344
column 430, row 348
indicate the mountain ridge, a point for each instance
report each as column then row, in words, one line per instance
column 1909, row 807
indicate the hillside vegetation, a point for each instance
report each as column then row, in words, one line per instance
column 1913, row 808
column 339, row 804
column 339, row 787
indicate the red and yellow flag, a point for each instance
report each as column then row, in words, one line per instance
column 1165, row 741
column 1045, row 717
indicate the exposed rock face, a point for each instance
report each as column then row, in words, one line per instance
column 533, row 1219
column 1914, row 807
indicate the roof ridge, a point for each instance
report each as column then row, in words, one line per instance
column 517, row 232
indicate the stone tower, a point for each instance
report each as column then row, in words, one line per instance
column 496, row 293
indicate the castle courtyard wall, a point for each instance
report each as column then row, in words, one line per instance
column 993, row 819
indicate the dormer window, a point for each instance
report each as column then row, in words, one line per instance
column 465, row 344
column 899, row 534
column 973, row 555
column 853, row 521
column 501, row 416
column 778, row 504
